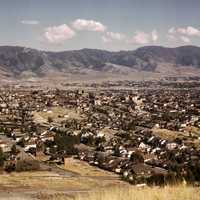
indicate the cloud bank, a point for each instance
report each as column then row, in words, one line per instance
column 88, row 25
column 112, row 36
column 183, row 34
column 59, row 34
column 143, row 38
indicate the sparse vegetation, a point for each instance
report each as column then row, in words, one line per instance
column 133, row 193
column 50, row 119
column 27, row 165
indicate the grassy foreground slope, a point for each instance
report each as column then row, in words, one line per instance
column 147, row 193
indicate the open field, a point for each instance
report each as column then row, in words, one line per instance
column 94, row 186
column 172, row 135
column 45, row 184
column 132, row 193
column 168, row 134
column 57, row 114
column 84, row 169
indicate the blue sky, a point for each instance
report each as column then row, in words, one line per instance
column 104, row 24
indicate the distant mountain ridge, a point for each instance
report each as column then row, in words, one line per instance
column 17, row 62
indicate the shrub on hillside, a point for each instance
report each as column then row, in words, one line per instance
column 27, row 165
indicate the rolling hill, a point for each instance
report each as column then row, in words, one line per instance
column 20, row 62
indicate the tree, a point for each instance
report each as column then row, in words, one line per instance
column 1, row 158
column 66, row 143
column 7, row 132
column 14, row 150
column 50, row 120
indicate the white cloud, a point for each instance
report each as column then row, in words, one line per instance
column 172, row 30
column 180, row 30
column 185, row 39
column 111, row 36
column 176, row 35
column 30, row 22
column 183, row 34
column 189, row 31
column 144, row 38
column 88, row 25
column 58, row 34
column 141, row 38
column 106, row 39
column 154, row 35
column 171, row 37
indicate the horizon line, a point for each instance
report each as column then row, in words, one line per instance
column 55, row 51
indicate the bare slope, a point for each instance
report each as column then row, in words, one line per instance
column 25, row 63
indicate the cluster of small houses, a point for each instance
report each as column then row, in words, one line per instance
column 146, row 159
column 116, row 132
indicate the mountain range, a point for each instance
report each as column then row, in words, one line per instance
column 26, row 63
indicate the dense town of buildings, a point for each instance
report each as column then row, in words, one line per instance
column 149, row 134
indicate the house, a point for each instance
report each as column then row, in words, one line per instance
column 30, row 145
column 6, row 148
